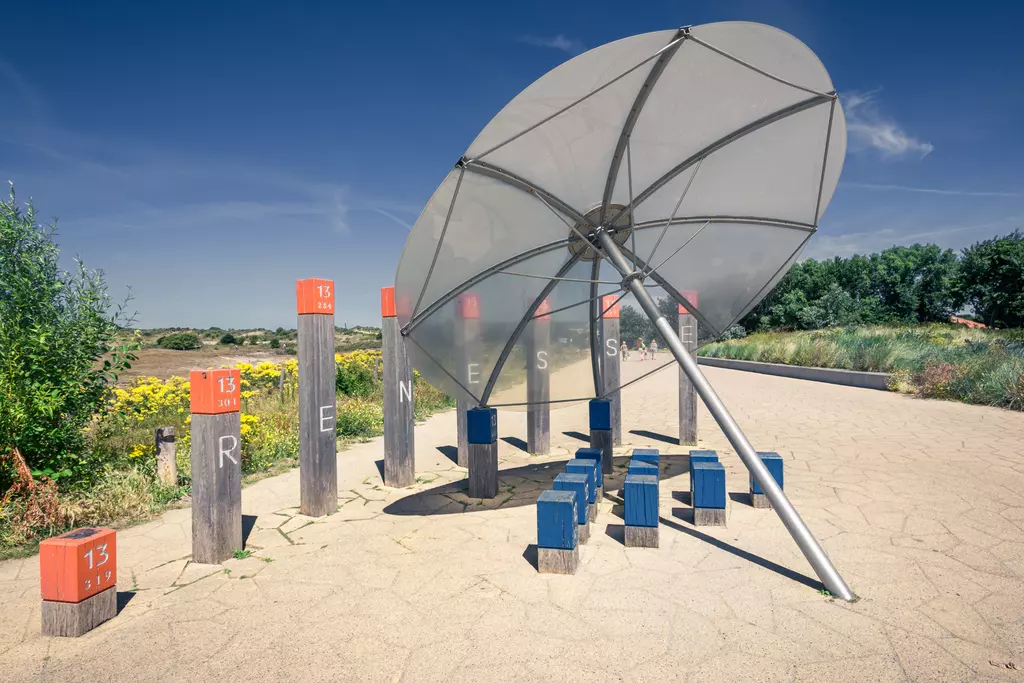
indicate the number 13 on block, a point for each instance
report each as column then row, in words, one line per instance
column 314, row 296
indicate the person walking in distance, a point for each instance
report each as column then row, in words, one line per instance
column 624, row 351
column 654, row 348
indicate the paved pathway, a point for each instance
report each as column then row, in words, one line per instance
column 917, row 502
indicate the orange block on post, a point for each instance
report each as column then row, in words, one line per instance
column 610, row 306
column 214, row 392
column 691, row 296
column 78, row 565
column 387, row 302
column 315, row 295
column 469, row 306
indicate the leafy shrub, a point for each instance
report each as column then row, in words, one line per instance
column 357, row 372
column 55, row 329
column 181, row 341
column 275, row 343
column 228, row 339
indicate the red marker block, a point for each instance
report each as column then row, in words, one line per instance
column 610, row 306
column 78, row 581
column 314, row 295
column 691, row 296
column 214, row 392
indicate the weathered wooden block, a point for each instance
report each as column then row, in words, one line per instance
column 640, row 467
column 556, row 520
column 641, row 536
column 708, row 485
column 650, row 455
column 73, row 619
column 577, row 483
column 482, row 434
column 595, row 455
column 166, row 456
column 78, row 581
column 700, row 456
column 601, row 439
column 589, row 468
column 399, row 410
column 558, row 561
column 773, row 461
column 641, row 500
column 709, row 517
column 318, row 451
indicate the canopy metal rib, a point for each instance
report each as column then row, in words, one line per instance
column 824, row 163
column 599, row 297
column 760, row 123
column 570, row 106
column 754, row 220
column 679, row 249
column 750, row 304
column 671, row 291
column 634, row 113
column 596, row 358
column 679, row 203
column 440, row 241
column 750, row 66
column 520, row 183
column 643, row 376
column 560, row 279
column 482, row 275
column 527, row 317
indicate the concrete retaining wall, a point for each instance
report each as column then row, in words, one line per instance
column 850, row 378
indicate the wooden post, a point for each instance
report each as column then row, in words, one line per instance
column 78, row 581
column 538, row 382
column 611, row 377
column 467, row 338
column 687, row 394
column 166, row 457
column 399, row 410
column 216, row 464
column 482, row 432
column 601, row 432
column 318, row 456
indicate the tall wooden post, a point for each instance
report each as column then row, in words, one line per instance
column 216, row 464
column 318, row 456
column 611, row 376
column 538, row 382
column 687, row 394
column 601, row 432
column 470, row 374
column 399, row 410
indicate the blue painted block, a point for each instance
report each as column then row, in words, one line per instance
column 641, row 500
column 641, row 467
column 589, row 468
column 773, row 461
column 577, row 483
column 708, row 485
column 700, row 456
column 595, row 455
column 556, row 520
column 600, row 414
column 650, row 455
column 482, row 425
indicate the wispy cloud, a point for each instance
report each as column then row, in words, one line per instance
column 870, row 129
column 929, row 190
column 560, row 42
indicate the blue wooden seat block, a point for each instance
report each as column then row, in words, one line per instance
column 600, row 414
column 650, row 455
column 708, row 485
column 641, row 500
column 595, row 455
column 587, row 467
column 773, row 461
column 577, row 483
column 556, row 520
column 641, row 467
column 700, row 456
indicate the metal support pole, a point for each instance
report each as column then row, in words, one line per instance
column 810, row 547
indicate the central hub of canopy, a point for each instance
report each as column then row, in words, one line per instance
column 620, row 230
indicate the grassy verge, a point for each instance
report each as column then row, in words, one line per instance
column 950, row 362
column 121, row 488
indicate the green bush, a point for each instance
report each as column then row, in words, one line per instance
column 58, row 348
column 354, row 380
column 275, row 343
column 228, row 339
column 182, row 341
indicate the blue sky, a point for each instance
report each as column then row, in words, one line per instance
column 210, row 157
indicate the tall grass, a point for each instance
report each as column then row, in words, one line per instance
column 953, row 362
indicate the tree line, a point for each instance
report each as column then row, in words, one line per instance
column 900, row 285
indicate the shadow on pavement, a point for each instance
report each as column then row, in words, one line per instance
column 585, row 438
column 123, row 598
column 516, row 442
column 450, row 452
column 248, row 522
column 656, row 436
